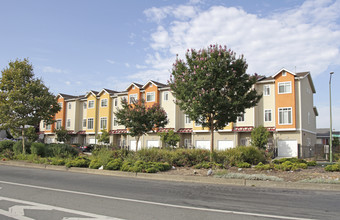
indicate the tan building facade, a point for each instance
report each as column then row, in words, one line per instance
column 286, row 109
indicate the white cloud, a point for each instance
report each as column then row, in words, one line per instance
column 110, row 61
column 49, row 69
column 68, row 83
column 140, row 66
column 297, row 39
column 127, row 65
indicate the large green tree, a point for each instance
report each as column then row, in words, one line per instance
column 62, row 135
column 212, row 87
column 24, row 99
column 259, row 137
column 140, row 119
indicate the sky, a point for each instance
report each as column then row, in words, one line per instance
column 81, row 45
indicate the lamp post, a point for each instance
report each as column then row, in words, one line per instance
column 330, row 118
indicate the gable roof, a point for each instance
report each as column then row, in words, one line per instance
column 110, row 92
column 94, row 93
column 134, row 84
column 283, row 69
column 66, row 96
column 158, row 84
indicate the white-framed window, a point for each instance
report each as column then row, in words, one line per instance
column 240, row 118
column 69, row 105
column 91, row 104
column 68, row 123
column 266, row 90
column 187, row 142
column 58, row 124
column 44, row 124
column 85, row 105
column 285, row 116
column 133, row 97
column 187, row 119
column 84, row 123
column 285, row 87
column 115, row 121
column 103, row 103
column 166, row 96
column 48, row 127
column 90, row 123
column 267, row 115
column 284, row 73
column 150, row 96
column 103, row 123
column 61, row 105
column 115, row 102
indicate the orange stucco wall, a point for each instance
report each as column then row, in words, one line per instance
column 285, row 100
column 154, row 89
column 134, row 90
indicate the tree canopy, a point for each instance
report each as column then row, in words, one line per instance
column 212, row 87
column 259, row 137
column 24, row 99
column 170, row 138
column 139, row 119
column 104, row 137
column 62, row 134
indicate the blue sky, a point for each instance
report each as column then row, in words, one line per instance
column 81, row 45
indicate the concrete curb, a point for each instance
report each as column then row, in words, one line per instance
column 180, row 178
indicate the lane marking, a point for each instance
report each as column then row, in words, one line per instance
column 18, row 211
column 158, row 203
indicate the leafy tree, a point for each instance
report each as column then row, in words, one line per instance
column 24, row 99
column 31, row 134
column 140, row 119
column 212, row 87
column 170, row 138
column 335, row 141
column 62, row 135
column 259, row 137
column 104, row 137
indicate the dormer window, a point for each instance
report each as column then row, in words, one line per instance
column 284, row 73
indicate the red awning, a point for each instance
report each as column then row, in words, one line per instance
column 184, row 130
column 118, row 131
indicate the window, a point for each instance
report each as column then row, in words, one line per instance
column 44, row 124
column 266, row 90
column 48, row 127
column 103, row 123
column 115, row 102
column 150, row 96
column 124, row 98
column 69, row 106
column 115, row 122
column 58, row 124
column 84, row 123
column 68, row 123
column 60, row 104
column 268, row 115
column 198, row 124
column 285, row 116
column 133, row 97
column 187, row 142
column 285, row 87
column 284, row 73
column 90, row 123
column 91, row 104
column 166, row 96
column 85, row 105
column 308, row 117
column 244, row 142
column 240, row 118
column 187, row 119
column 103, row 103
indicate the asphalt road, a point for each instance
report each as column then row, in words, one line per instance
column 28, row 193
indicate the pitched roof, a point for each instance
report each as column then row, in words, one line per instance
column 134, row 84
column 66, row 96
column 158, row 84
column 111, row 92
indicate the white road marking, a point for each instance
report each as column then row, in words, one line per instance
column 157, row 203
column 18, row 211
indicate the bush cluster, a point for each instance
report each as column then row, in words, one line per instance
column 333, row 168
column 286, row 164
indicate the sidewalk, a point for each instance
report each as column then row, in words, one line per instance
column 181, row 178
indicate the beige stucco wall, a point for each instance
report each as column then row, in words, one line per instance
column 170, row 108
column 267, row 102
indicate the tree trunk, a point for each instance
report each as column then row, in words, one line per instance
column 211, row 138
column 23, row 140
column 137, row 142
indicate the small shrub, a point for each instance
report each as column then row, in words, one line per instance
column 61, row 151
column 17, row 147
column 78, row 162
column 261, row 166
column 6, row 145
column 333, row 168
column 243, row 165
column 292, row 160
column 57, row 161
column 207, row 165
column 38, row 149
column 114, row 164
column 311, row 163
column 7, row 153
column 126, row 166
column 95, row 164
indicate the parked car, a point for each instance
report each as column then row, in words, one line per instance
column 87, row 148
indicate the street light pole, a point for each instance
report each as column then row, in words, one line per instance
column 330, row 118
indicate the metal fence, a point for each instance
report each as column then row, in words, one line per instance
column 316, row 152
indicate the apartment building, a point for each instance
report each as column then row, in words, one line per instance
column 286, row 110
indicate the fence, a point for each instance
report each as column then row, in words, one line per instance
column 316, row 152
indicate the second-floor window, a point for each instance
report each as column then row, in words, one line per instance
column 285, row 116
column 58, row 124
column 266, row 90
column 48, row 127
column 85, row 105
column 69, row 106
column 84, row 123
column 91, row 104
column 268, row 115
column 166, row 96
column 240, row 118
column 133, row 97
column 103, row 123
column 115, row 122
column 61, row 105
column 90, row 123
column 103, row 103
column 68, row 123
column 150, row 96
column 187, row 119
column 115, row 102
column 285, row 87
